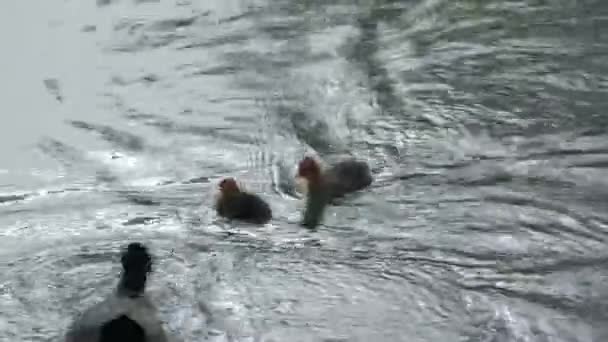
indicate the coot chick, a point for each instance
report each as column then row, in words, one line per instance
column 240, row 205
column 127, row 315
column 324, row 187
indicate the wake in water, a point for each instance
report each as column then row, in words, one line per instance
column 481, row 123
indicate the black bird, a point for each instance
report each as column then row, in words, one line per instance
column 324, row 187
column 127, row 315
column 233, row 203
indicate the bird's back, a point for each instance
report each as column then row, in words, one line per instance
column 120, row 319
column 245, row 206
column 348, row 176
column 122, row 329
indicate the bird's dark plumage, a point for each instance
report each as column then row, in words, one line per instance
column 346, row 177
column 127, row 314
column 240, row 205
column 136, row 264
column 325, row 187
column 122, row 329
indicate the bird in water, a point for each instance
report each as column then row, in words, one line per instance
column 324, row 187
column 233, row 203
column 127, row 315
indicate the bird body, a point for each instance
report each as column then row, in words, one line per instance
column 127, row 315
column 324, row 187
column 234, row 203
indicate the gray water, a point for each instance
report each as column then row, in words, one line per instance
column 485, row 123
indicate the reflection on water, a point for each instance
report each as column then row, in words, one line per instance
column 482, row 120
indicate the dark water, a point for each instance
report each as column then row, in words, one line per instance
column 485, row 123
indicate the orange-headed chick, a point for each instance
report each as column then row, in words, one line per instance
column 240, row 205
column 324, row 186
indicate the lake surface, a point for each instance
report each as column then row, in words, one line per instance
column 485, row 123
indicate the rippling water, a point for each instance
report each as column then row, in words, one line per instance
column 485, row 123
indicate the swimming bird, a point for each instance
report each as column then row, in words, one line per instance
column 324, row 187
column 127, row 315
column 233, row 203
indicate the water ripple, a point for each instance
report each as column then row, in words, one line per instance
column 482, row 121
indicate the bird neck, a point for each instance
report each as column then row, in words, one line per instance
column 316, row 182
column 132, row 283
column 316, row 202
column 231, row 193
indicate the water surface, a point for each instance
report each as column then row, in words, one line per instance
column 484, row 122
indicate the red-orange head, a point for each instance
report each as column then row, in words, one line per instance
column 309, row 168
column 229, row 186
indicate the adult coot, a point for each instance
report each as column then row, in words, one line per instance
column 127, row 315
